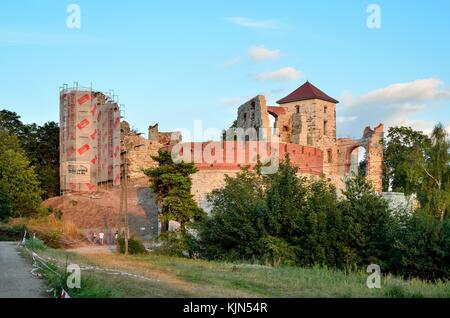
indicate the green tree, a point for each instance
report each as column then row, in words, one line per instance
column 366, row 221
column 422, row 248
column 434, row 172
column 286, row 196
column 172, row 183
column 317, row 233
column 45, row 157
column 18, row 178
column 236, row 226
column 403, row 147
column 41, row 145
column 10, row 121
column 5, row 201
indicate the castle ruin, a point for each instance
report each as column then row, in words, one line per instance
column 304, row 127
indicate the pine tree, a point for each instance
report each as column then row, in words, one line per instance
column 172, row 184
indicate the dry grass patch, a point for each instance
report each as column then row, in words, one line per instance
column 54, row 232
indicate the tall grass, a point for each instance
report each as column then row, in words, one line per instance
column 54, row 232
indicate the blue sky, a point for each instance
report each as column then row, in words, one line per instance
column 174, row 62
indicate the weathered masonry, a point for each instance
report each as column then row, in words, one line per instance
column 307, row 117
column 89, row 139
column 305, row 129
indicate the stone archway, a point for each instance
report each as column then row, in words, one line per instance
column 354, row 158
column 371, row 142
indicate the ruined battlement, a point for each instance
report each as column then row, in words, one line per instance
column 234, row 155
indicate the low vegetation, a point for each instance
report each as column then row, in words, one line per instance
column 10, row 233
column 281, row 219
column 135, row 245
column 54, row 232
column 166, row 276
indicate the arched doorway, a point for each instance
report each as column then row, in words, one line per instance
column 272, row 123
column 356, row 161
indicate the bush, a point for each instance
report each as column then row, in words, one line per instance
column 283, row 219
column 177, row 243
column 422, row 248
column 11, row 233
column 135, row 246
column 364, row 235
column 5, row 202
column 278, row 251
column 237, row 224
column 35, row 244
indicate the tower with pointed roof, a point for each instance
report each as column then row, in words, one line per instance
column 316, row 113
column 305, row 128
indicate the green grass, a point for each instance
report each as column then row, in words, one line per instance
column 180, row 277
column 294, row 281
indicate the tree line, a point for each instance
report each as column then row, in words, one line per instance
column 29, row 165
column 286, row 219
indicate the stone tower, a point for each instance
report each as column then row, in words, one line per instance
column 312, row 118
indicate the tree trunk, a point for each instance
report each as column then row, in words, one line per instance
column 164, row 226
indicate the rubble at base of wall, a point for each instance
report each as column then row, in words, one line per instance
column 398, row 200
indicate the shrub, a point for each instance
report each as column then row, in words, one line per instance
column 278, row 251
column 283, row 219
column 135, row 246
column 5, row 202
column 365, row 227
column 35, row 244
column 237, row 222
column 422, row 248
column 55, row 233
column 11, row 233
column 177, row 243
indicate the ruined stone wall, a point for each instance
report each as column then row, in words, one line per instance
column 205, row 181
column 140, row 151
column 253, row 114
column 165, row 138
column 217, row 159
column 374, row 155
column 232, row 155
column 371, row 141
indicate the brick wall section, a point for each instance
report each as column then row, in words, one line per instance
column 232, row 155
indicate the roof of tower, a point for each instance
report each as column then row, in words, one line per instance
column 305, row 92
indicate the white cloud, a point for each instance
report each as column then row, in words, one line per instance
column 253, row 23
column 400, row 104
column 232, row 62
column 235, row 100
column 415, row 91
column 259, row 53
column 254, row 54
column 283, row 74
column 346, row 119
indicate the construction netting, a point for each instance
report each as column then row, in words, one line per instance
column 89, row 140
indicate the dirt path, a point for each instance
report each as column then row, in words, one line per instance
column 103, row 256
column 16, row 280
column 94, row 249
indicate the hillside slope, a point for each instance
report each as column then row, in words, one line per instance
column 99, row 211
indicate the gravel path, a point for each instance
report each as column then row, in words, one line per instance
column 16, row 280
